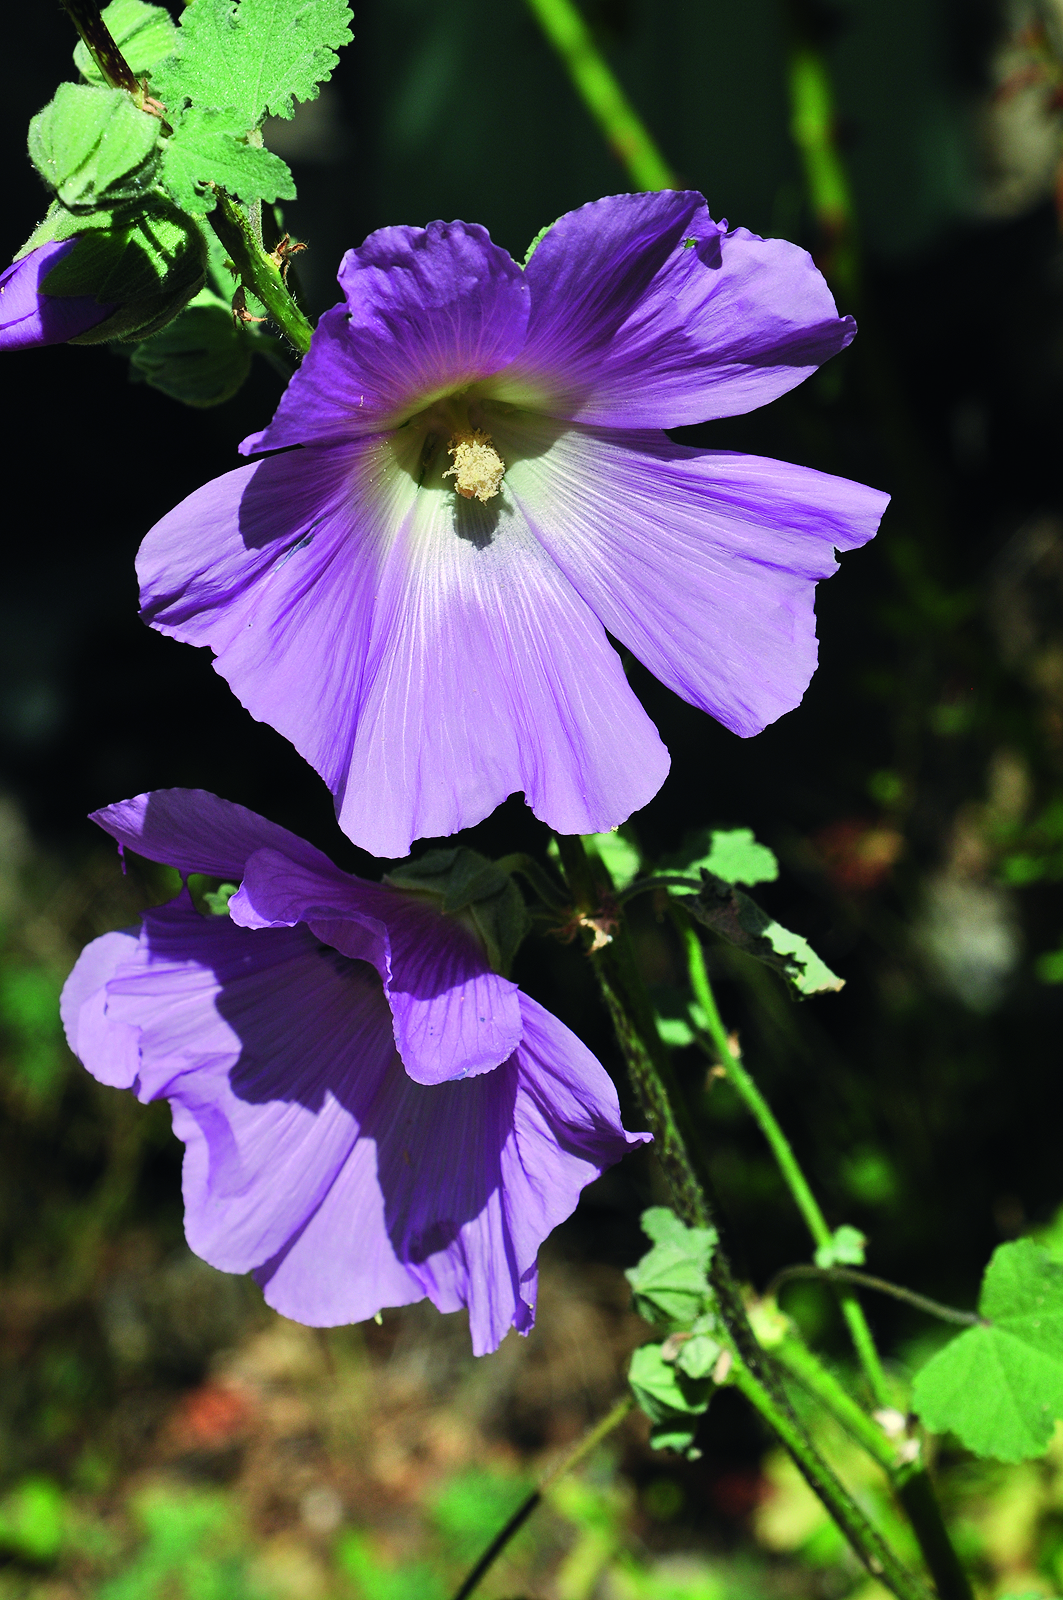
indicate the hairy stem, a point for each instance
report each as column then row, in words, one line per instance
column 866, row 1280
column 911, row 1482
column 591, row 1439
column 600, row 92
column 666, row 1113
column 96, row 37
column 259, row 272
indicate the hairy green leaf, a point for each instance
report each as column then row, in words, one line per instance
column 733, row 855
column 999, row 1387
column 253, row 57
column 670, row 1398
column 201, row 359
column 145, row 35
column 207, row 148
column 734, row 916
column 617, row 854
column 669, row 1285
column 93, row 147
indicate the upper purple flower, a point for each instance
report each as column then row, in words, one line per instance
column 29, row 317
column 371, row 1114
column 418, row 597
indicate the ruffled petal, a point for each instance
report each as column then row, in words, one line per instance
column 647, row 314
column 419, row 650
column 109, row 1050
column 428, row 311
column 453, row 1016
column 314, row 1160
column 194, row 831
column 29, row 317
column 704, row 563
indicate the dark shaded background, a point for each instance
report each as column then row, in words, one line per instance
column 910, row 797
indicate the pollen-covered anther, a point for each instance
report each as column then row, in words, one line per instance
column 478, row 468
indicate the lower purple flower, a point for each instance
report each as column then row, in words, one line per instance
column 29, row 317
column 371, row 1115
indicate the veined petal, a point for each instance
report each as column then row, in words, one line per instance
column 421, row 651
column 704, row 563
column 427, row 311
column 109, row 1050
column 453, row 1016
column 646, row 313
column 195, row 831
column 29, row 317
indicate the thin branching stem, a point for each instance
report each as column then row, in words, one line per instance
column 865, row 1280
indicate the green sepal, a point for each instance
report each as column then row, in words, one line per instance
column 670, row 1398
column 669, row 1286
column 209, row 147
column 466, row 884
column 201, row 358
column 253, row 58
column 94, row 147
column 732, row 854
column 999, row 1387
column 145, row 35
column 148, row 263
column 736, row 917
column 215, row 900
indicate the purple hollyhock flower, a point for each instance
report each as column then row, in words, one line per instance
column 371, row 1114
column 29, row 317
column 418, row 596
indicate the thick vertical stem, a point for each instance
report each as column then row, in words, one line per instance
column 664, row 1108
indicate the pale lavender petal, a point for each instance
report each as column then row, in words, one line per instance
column 110, row 1050
column 428, row 311
column 704, row 563
column 420, row 650
column 646, row 313
column 453, row 1016
column 29, row 317
column 194, row 831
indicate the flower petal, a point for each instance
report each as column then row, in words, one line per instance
column 453, row 1016
column 428, row 311
column 110, row 1050
column 704, row 563
column 29, row 317
column 646, row 313
column 194, row 831
column 420, row 651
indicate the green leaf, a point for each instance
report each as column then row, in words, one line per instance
column 698, row 1355
column 93, row 147
column 254, row 57
column 145, row 35
column 33, row 1520
column 999, row 1387
column 670, row 1285
column 669, row 1397
column 619, row 857
column 733, row 855
column 734, row 916
column 846, row 1249
column 200, row 359
column 208, row 147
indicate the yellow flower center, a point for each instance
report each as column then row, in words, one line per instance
column 478, row 468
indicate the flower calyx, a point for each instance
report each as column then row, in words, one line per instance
column 474, row 890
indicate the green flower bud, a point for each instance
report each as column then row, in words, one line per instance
column 148, row 264
column 94, row 147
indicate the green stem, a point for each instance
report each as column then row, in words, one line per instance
column 677, row 1149
column 865, row 1538
column 920, row 1501
column 866, row 1280
column 810, row 1372
column 795, row 1179
column 258, row 272
column 590, row 1440
column 602, row 94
